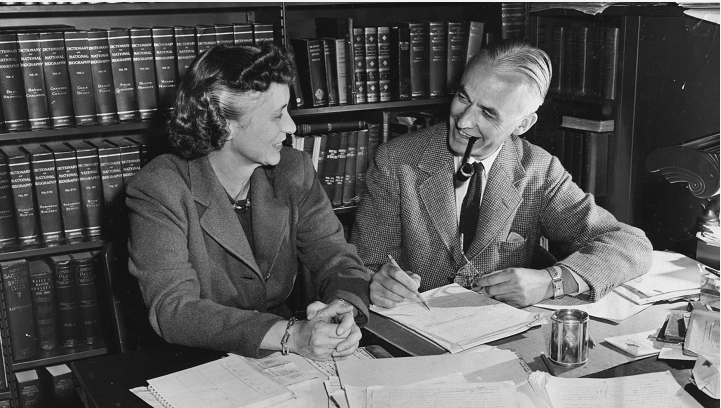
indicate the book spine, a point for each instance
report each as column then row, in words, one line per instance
column 341, row 71
column 569, row 62
column 57, row 81
column 30, row 393
column 67, row 301
column 8, row 233
column 141, row 47
column 610, row 62
column 31, row 66
column 111, row 177
column 340, row 169
column 331, row 71
column 102, row 72
column 359, row 65
column 349, row 174
column 371, row 56
column 19, row 308
column 121, row 61
column 88, row 308
column 350, row 47
column 401, row 60
column 419, row 60
column 455, row 54
column 28, row 228
column 242, row 34
column 558, row 50
column 204, row 37
column 263, row 32
column 91, row 191
column 296, row 90
column 341, row 126
column 311, row 59
column 14, row 105
column 331, row 165
column 164, row 53
column 474, row 40
column 436, row 46
column 361, row 164
column 322, row 153
column 224, row 34
column 45, row 183
column 81, row 78
column 595, row 158
column 513, row 20
column 129, row 162
column 42, row 290
column 69, row 193
column 384, row 63
column 185, row 49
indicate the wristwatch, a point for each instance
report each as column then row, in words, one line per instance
column 557, row 281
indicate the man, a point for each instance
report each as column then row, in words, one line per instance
column 413, row 206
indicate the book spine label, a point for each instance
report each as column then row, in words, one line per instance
column 243, row 34
column 31, row 66
column 359, row 65
column 129, row 162
column 384, row 63
column 455, row 55
column 111, row 176
column 331, row 165
column 91, row 192
column 81, row 78
column 102, row 73
column 45, row 184
column 419, row 60
column 57, row 82
column 88, row 308
column 204, row 37
column 22, row 187
column 121, row 61
column 186, row 49
column 436, row 59
column 19, row 309
column 70, row 197
column 372, row 74
column 42, row 289
column 14, row 105
column 67, row 301
column 224, row 34
column 141, row 46
column 8, row 233
column 164, row 49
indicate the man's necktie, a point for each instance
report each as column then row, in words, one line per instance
column 471, row 207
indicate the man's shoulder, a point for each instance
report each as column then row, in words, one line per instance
column 414, row 143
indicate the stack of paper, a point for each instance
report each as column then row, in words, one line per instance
column 460, row 319
column 672, row 275
column 612, row 307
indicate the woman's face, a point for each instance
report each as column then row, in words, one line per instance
column 257, row 137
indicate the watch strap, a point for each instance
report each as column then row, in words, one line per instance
column 557, row 281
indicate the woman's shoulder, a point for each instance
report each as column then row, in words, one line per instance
column 165, row 170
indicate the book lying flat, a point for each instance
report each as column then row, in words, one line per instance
column 587, row 124
column 460, row 318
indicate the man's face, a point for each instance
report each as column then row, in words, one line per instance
column 489, row 105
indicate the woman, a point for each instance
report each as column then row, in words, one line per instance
column 218, row 227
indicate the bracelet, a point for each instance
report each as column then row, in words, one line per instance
column 557, row 281
column 286, row 336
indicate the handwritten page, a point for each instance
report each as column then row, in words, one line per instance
column 145, row 395
column 460, row 318
column 611, row 307
column 636, row 391
column 476, row 395
column 327, row 367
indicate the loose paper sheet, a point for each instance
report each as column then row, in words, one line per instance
column 476, row 395
column 611, row 307
column 672, row 275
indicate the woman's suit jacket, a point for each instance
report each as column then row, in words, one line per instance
column 201, row 282
column 409, row 211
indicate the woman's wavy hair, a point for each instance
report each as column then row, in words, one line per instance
column 198, row 123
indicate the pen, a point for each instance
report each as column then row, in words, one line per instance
column 548, row 364
column 712, row 270
column 418, row 295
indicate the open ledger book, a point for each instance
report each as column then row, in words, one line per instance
column 460, row 319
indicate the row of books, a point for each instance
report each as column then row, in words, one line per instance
column 584, row 58
column 399, row 61
column 51, row 303
column 71, row 190
column 52, row 386
column 56, row 76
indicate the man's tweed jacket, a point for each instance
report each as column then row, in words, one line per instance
column 409, row 212
column 203, row 285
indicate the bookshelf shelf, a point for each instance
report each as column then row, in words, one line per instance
column 130, row 7
column 412, row 104
column 127, row 127
column 59, row 356
column 50, row 249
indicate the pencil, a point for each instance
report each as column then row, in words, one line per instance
column 418, row 295
column 548, row 364
column 712, row 270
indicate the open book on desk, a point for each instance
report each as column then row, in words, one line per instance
column 460, row 319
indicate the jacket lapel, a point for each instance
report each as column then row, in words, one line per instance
column 269, row 217
column 217, row 218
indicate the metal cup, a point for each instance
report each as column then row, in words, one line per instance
column 569, row 337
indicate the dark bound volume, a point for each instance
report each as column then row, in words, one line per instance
column 141, row 46
column 45, row 184
column 42, row 290
column 8, row 233
column 373, row 93
column 474, row 38
column 341, row 126
column 165, row 69
column 28, row 227
column 384, row 63
column 57, row 81
column 29, row 389
column 341, row 70
column 19, row 308
column 297, row 99
column 309, row 54
column 569, row 62
column 31, row 66
column 111, row 177
column 610, row 62
column 341, row 28
column 455, row 55
column 185, row 48
column 88, row 307
column 558, row 51
column 66, row 297
column 595, row 162
column 513, row 20
column 331, row 165
column 81, row 78
column 322, row 153
column 242, row 34
column 401, row 63
column 263, row 32
column 14, row 106
column 204, row 37
column 340, row 168
column 436, row 46
column 331, row 71
column 418, row 58
column 121, row 61
column 129, row 158
column 102, row 72
column 360, row 75
column 91, row 188
column 349, row 174
column 375, row 137
column 586, row 57
column 57, row 380
column 224, row 34
column 361, row 163
column 68, row 190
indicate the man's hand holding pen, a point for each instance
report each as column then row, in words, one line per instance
column 391, row 286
